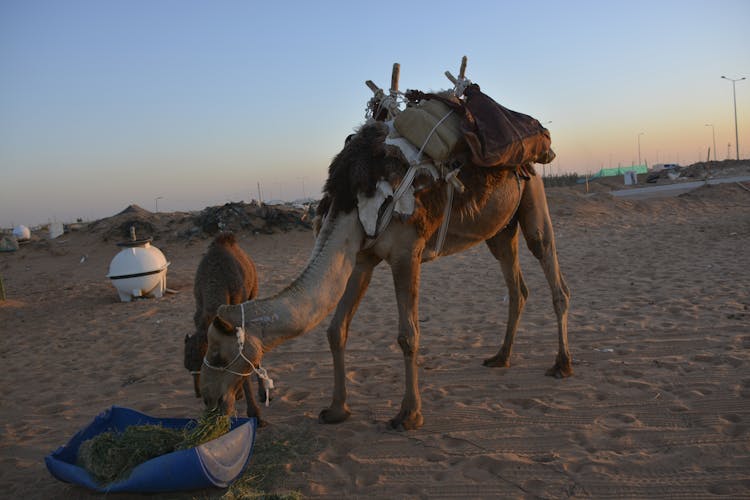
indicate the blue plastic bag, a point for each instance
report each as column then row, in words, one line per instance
column 215, row 463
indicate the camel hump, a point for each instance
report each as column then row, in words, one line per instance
column 225, row 239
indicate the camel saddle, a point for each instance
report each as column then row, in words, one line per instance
column 433, row 125
column 496, row 135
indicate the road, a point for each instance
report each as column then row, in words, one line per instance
column 672, row 189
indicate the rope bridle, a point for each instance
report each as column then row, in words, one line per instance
column 259, row 371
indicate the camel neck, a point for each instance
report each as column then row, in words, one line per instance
column 314, row 293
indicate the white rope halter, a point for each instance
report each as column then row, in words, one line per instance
column 259, row 371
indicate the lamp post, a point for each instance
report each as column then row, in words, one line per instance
column 156, row 203
column 713, row 130
column 639, row 147
column 734, row 98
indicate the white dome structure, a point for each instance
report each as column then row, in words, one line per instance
column 139, row 270
column 22, row 233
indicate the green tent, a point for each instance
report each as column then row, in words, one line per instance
column 609, row 172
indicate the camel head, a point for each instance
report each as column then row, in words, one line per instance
column 195, row 350
column 231, row 354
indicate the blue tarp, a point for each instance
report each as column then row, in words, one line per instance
column 216, row 463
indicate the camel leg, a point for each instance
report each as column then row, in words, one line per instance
column 406, row 272
column 262, row 395
column 540, row 238
column 504, row 247
column 338, row 333
column 253, row 410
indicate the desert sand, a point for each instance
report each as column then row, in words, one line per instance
column 659, row 405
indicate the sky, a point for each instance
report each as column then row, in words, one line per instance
column 177, row 105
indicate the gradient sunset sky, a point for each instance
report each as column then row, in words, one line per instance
column 108, row 103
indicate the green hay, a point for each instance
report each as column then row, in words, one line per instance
column 111, row 456
column 211, row 425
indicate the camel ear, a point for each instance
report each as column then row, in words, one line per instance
column 223, row 325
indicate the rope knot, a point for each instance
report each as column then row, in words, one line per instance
column 240, row 332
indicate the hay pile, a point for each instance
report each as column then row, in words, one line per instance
column 211, row 425
column 111, row 456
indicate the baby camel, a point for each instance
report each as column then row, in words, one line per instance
column 225, row 275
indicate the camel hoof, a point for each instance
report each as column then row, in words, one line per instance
column 497, row 361
column 331, row 416
column 560, row 371
column 406, row 421
column 262, row 423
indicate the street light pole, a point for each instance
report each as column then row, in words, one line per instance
column 734, row 99
column 639, row 147
column 714, row 134
column 156, row 203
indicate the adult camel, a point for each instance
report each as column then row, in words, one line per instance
column 492, row 208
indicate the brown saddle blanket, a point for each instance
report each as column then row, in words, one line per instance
column 496, row 135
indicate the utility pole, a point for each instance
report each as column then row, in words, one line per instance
column 639, row 147
column 714, row 135
column 734, row 99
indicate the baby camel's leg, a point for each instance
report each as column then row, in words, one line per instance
column 504, row 247
column 338, row 333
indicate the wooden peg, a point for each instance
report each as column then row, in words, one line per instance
column 371, row 85
column 395, row 75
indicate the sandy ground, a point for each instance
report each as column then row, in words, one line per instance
column 659, row 405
